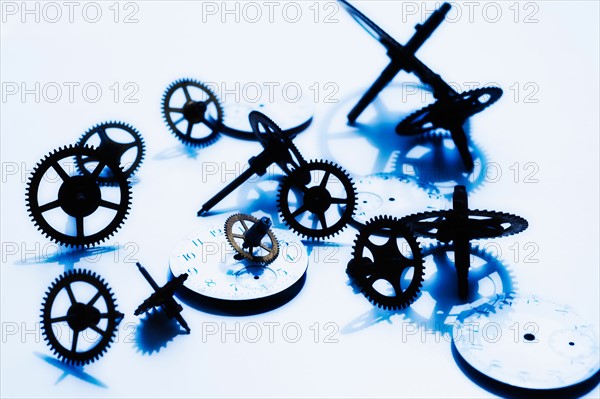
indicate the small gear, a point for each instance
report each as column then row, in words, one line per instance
column 252, row 238
column 449, row 112
column 312, row 187
column 76, row 196
column 381, row 266
column 103, row 318
column 199, row 108
column 108, row 139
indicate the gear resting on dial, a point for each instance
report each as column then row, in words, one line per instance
column 96, row 311
column 252, row 238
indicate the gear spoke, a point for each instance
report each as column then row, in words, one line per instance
column 339, row 200
column 74, row 343
column 94, row 298
column 61, row 172
column 177, row 110
column 59, row 319
column 323, row 220
column 190, row 128
column 109, row 205
column 299, row 211
column 178, row 121
column 241, row 236
column 325, row 179
column 80, row 227
column 103, row 136
column 245, row 226
column 70, row 294
column 186, row 93
column 97, row 329
column 265, row 247
column 98, row 169
column 49, row 206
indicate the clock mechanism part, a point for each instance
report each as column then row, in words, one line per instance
column 525, row 346
column 387, row 264
column 195, row 116
column 451, row 110
column 220, row 282
column 73, row 208
column 252, row 238
column 383, row 194
column 117, row 142
column 460, row 225
column 163, row 297
column 79, row 300
column 308, row 195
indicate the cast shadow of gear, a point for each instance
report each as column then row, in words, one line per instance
column 69, row 257
column 178, row 151
column 261, row 197
column 70, row 370
column 155, row 331
column 439, row 306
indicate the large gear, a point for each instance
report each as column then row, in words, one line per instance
column 440, row 225
column 376, row 259
column 82, row 314
column 311, row 186
column 78, row 196
column 203, row 115
column 236, row 228
column 448, row 112
column 112, row 148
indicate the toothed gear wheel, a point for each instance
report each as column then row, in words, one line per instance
column 82, row 290
column 270, row 136
column 307, row 197
column 192, row 112
column 387, row 264
column 113, row 140
column 448, row 112
column 54, row 201
column 235, row 228
column 440, row 225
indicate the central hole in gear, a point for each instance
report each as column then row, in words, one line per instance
column 194, row 111
column 317, row 199
column 79, row 196
column 82, row 316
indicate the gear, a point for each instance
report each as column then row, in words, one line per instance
column 78, row 196
column 449, row 112
column 311, row 185
column 440, row 225
column 379, row 260
column 112, row 149
column 272, row 138
column 265, row 252
column 80, row 316
column 205, row 112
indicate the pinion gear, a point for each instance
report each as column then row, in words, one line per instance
column 237, row 228
column 386, row 276
column 78, row 196
column 113, row 149
column 312, row 185
column 203, row 115
column 81, row 315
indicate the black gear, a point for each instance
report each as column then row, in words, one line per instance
column 272, row 138
column 309, row 184
column 206, row 112
column 113, row 150
column 461, row 225
column 79, row 317
column 440, row 225
column 372, row 263
column 78, row 196
column 449, row 112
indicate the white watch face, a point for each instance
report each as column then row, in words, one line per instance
column 530, row 343
column 208, row 258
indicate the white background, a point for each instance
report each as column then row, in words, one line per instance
column 556, row 53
